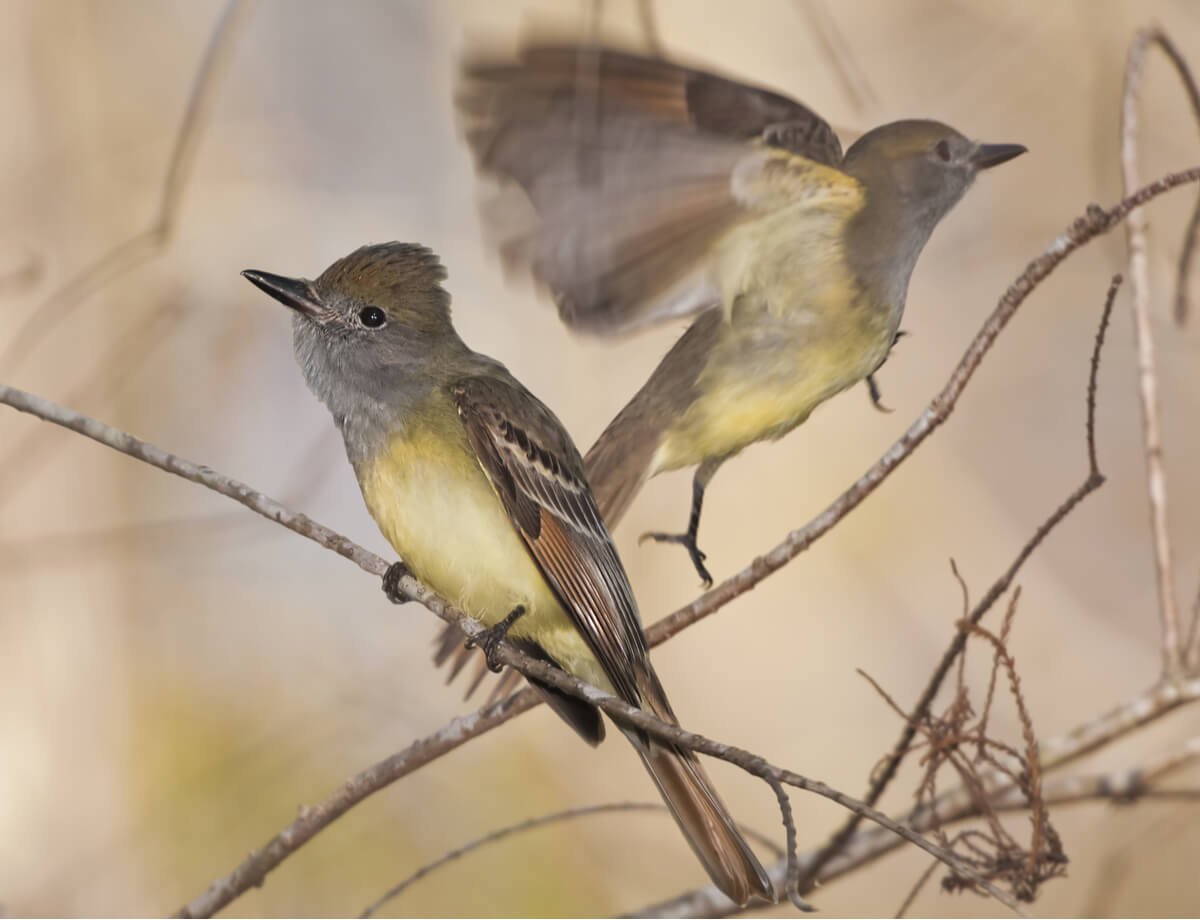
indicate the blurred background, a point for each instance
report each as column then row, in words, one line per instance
column 178, row 675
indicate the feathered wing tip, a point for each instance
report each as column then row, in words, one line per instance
column 449, row 647
column 628, row 161
column 627, row 195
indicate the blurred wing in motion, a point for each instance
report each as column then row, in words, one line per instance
column 629, row 164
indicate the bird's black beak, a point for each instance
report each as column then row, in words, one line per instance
column 988, row 155
column 292, row 292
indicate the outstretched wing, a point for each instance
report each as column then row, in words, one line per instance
column 538, row 474
column 629, row 165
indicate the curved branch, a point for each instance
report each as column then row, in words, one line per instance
column 500, row 834
column 1156, row 474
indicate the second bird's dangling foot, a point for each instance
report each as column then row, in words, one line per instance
column 688, row 542
column 489, row 640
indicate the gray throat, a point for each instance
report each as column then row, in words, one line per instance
column 368, row 397
column 885, row 238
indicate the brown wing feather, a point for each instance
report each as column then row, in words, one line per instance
column 538, row 474
column 532, row 464
column 686, row 95
column 627, row 162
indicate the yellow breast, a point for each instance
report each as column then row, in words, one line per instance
column 435, row 505
column 799, row 329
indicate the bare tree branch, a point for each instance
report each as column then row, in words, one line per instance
column 227, row 486
column 1142, row 42
column 1139, row 285
column 311, row 820
column 28, row 452
column 509, row 831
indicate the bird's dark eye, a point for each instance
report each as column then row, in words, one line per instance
column 943, row 151
column 372, row 317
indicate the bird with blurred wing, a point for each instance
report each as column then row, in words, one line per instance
column 655, row 191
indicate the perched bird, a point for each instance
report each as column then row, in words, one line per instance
column 480, row 490
column 657, row 191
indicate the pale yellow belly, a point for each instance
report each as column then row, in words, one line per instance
column 437, row 508
column 753, row 394
column 798, row 329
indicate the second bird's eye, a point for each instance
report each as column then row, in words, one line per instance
column 372, row 317
column 943, row 151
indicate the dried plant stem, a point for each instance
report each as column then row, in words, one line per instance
column 1139, row 285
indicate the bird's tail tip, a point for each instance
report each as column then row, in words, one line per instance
column 707, row 825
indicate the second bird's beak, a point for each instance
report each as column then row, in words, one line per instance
column 292, row 292
column 988, row 155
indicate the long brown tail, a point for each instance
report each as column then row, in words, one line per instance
column 696, row 807
column 706, row 824
column 619, row 463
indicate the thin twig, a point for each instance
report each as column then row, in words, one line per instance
column 27, row 453
column 839, row 53
column 1139, row 286
column 311, row 820
column 1141, row 44
column 63, row 303
column 554, row 817
column 459, row 852
column 916, row 889
column 648, row 21
column 194, row 472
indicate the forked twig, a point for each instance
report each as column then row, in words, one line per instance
column 1175, row 655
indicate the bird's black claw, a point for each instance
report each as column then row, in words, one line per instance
column 873, row 389
column 489, row 640
column 688, row 542
column 396, row 572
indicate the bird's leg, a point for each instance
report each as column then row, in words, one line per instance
column 391, row 583
column 489, row 640
column 873, row 390
column 872, row 385
column 688, row 540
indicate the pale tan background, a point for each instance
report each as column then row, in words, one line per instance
column 177, row 675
